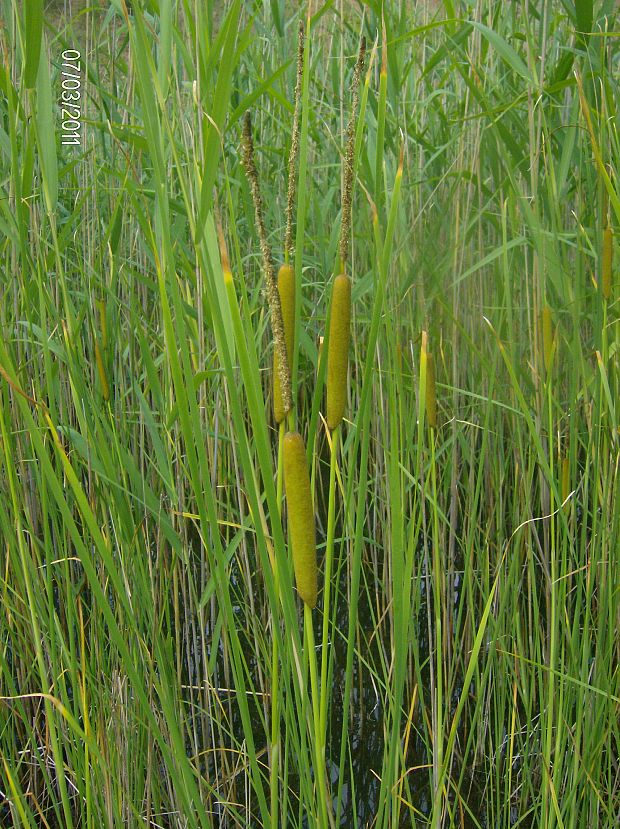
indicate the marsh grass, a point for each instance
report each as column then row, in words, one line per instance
column 467, row 659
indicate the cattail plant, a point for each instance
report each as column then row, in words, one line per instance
column 271, row 287
column 286, row 274
column 337, row 366
column 340, row 321
column 300, row 517
column 292, row 464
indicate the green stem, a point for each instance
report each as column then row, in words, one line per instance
column 438, row 753
column 319, row 744
column 329, row 556
column 274, row 767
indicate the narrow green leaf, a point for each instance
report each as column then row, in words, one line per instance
column 33, row 19
column 46, row 136
column 505, row 51
column 584, row 12
column 165, row 45
column 217, row 118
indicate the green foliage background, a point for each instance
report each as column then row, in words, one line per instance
column 469, row 657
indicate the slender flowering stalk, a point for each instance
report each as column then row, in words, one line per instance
column 286, row 290
column 286, row 274
column 292, row 159
column 347, row 190
column 271, row 288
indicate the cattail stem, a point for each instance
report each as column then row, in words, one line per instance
column 271, row 288
column 329, row 555
column 274, row 767
column 438, row 581
column 319, row 743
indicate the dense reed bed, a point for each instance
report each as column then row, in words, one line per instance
column 461, row 665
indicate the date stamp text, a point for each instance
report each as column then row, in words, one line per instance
column 71, row 97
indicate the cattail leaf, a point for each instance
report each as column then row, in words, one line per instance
column 46, row 136
column 276, row 14
column 5, row 143
column 165, row 45
column 548, row 336
column 214, row 124
column 584, row 14
column 33, row 25
column 490, row 257
column 565, row 481
column 505, row 51
column 268, row 85
column 607, row 263
column 145, row 76
column 103, row 380
column 612, row 195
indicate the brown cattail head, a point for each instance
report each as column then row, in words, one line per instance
column 431, row 397
column 286, row 290
column 271, row 288
column 302, row 538
column 338, row 350
column 607, row 261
